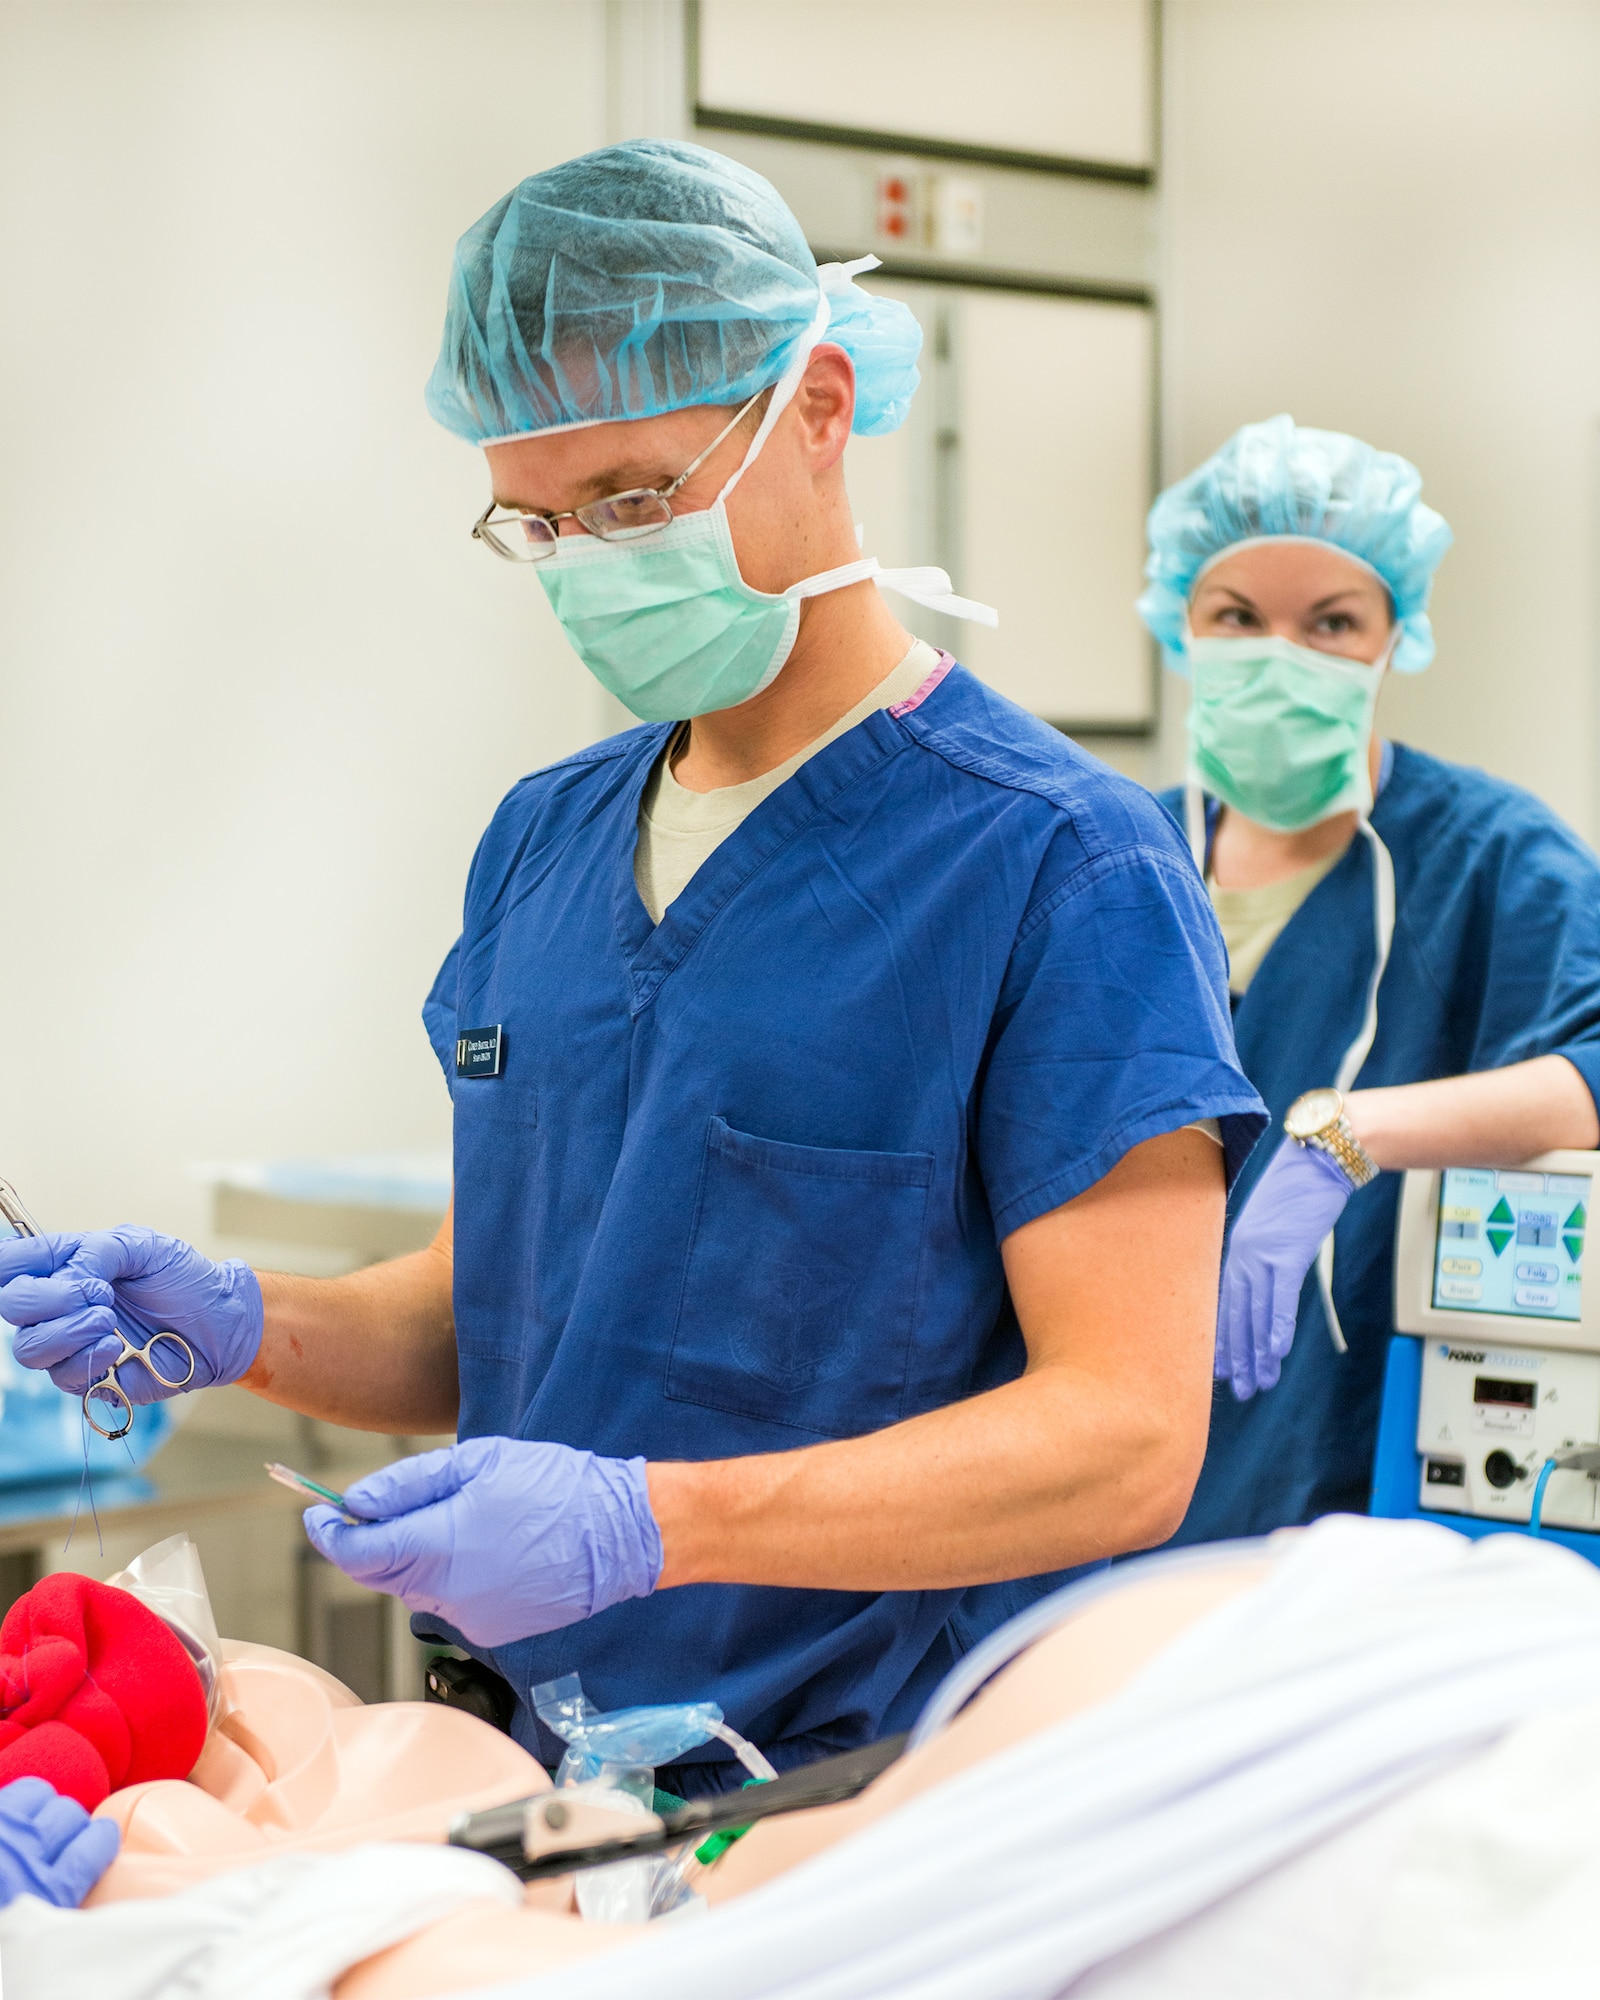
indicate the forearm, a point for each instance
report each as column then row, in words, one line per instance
column 373, row 1351
column 1486, row 1119
column 1053, row 1469
column 1093, row 1450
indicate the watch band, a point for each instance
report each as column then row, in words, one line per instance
column 1343, row 1147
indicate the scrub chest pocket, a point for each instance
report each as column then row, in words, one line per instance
column 800, row 1286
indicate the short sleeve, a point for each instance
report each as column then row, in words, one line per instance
column 439, row 1014
column 1113, row 1028
column 1585, row 1059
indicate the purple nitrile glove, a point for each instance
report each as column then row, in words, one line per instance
column 502, row 1538
column 66, row 1295
column 49, row 1846
column 1275, row 1241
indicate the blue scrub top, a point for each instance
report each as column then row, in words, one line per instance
column 1495, row 959
column 741, row 1184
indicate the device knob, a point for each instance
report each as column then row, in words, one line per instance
column 1502, row 1470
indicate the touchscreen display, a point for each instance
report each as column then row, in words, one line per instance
column 1511, row 1242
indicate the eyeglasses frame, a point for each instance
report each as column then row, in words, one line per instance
column 662, row 493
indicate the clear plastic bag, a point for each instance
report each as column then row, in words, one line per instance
column 632, row 1736
column 611, row 1759
column 622, row 1892
column 168, row 1580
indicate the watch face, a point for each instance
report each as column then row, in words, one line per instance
column 1311, row 1113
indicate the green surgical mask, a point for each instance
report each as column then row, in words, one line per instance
column 1281, row 732
column 668, row 624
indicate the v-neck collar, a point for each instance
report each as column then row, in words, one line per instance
column 653, row 952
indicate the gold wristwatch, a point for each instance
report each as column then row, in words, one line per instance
column 1316, row 1118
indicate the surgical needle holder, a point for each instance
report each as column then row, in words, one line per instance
column 107, row 1388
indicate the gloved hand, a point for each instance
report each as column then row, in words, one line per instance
column 66, row 1294
column 49, row 1846
column 501, row 1538
column 1274, row 1243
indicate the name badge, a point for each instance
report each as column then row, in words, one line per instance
column 479, row 1051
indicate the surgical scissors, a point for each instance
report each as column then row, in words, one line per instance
column 108, row 1387
column 12, row 1209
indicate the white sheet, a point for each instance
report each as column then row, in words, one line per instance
column 1496, row 1885
column 283, row 1930
column 1302, row 1931
column 1375, row 1654
column 1337, row 1699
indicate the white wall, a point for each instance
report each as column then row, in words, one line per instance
column 258, row 691
column 1385, row 218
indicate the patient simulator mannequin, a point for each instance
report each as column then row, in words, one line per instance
column 293, row 1761
column 1215, row 1771
column 1085, row 1660
column 1307, row 1765
column 298, row 1762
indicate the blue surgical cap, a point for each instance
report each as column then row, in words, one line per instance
column 643, row 278
column 1274, row 479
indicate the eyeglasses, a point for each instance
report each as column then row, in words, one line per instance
column 622, row 517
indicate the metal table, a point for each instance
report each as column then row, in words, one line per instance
column 368, row 1205
column 266, row 1581
column 193, row 1474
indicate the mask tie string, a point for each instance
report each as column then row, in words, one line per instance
column 927, row 586
column 1194, row 819
column 1383, row 908
column 784, row 388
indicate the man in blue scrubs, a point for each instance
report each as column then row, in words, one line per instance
column 844, row 1087
column 1414, row 947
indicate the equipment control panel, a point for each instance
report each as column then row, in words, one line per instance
column 1489, row 1275
column 1488, row 1418
column 1510, row 1242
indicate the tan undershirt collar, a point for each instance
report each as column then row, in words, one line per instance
column 1252, row 920
column 680, row 830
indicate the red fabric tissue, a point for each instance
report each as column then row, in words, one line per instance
column 96, row 1692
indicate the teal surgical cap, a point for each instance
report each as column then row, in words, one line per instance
column 643, row 278
column 1275, row 480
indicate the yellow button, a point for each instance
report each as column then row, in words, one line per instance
column 1461, row 1267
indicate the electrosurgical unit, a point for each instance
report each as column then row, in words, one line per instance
column 1491, row 1397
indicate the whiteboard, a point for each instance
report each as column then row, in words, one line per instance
column 1025, row 470
column 1072, row 78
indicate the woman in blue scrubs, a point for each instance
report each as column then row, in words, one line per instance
column 844, row 1090
column 1414, row 947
